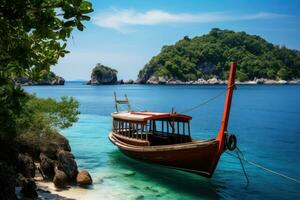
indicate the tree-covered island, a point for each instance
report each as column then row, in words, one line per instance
column 206, row 57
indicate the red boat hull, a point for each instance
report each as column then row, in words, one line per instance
column 198, row 156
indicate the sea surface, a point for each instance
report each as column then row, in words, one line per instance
column 265, row 119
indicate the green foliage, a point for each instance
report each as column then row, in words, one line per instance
column 34, row 33
column 209, row 55
column 61, row 114
column 39, row 116
column 12, row 101
column 241, row 76
column 33, row 36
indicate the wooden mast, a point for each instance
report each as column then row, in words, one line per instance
column 227, row 105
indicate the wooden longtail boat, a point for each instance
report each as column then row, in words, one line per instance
column 165, row 138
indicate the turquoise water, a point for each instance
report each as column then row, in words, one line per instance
column 265, row 118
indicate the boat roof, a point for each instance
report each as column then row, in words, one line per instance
column 145, row 116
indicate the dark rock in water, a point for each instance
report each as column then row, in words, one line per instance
column 29, row 188
column 84, row 178
column 47, row 165
column 103, row 75
column 67, row 163
column 7, row 181
column 120, row 82
column 25, row 165
column 60, row 178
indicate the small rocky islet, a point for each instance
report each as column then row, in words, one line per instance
column 48, row 78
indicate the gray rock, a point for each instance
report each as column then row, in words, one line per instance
column 130, row 81
column 269, row 81
column 162, row 80
column 152, row 80
column 294, row 81
column 260, row 81
column 145, row 74
column 282, row 82
column 213, row 81
column 201, row 81
column 67, row 163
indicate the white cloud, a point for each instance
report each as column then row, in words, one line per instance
column 120, row 19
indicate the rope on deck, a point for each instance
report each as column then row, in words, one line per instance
column 241, row 157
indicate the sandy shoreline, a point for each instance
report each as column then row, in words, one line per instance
column 47, row 191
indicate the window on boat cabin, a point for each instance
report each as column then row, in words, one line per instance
column 129, row 129
column 169, row 126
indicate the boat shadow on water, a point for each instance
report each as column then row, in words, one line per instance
column 171, row 179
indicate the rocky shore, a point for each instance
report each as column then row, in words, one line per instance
column 48, row 79
column 213, row 81
column 46, row 159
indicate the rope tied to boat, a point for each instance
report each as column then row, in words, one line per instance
column 242, row 158
column 208, row 100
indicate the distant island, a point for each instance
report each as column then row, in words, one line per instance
column 46, row 78
column 102, row 74
column 205, row 60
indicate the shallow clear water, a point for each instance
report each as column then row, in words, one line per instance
column 265, row 118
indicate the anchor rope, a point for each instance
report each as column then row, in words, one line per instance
column 206, row 101
column 243, row 158
column 137, row 107
column 239, row 154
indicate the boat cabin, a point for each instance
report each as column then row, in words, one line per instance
column 151, row 128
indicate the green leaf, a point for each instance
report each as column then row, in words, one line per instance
column 80, row 26
column 85, row 17
column 69, row 23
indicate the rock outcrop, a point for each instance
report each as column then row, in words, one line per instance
column 25, row 165
column 47, row 166
column 47, row 144
column 60, row 179
column 130, row 81
column 55, row 162
column 103, row 75
column 66, row 163
column 84, row 178
column 47, row 79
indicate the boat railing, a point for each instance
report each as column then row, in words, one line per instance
column 157, row 132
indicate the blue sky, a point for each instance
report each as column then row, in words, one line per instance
column 125, row 35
